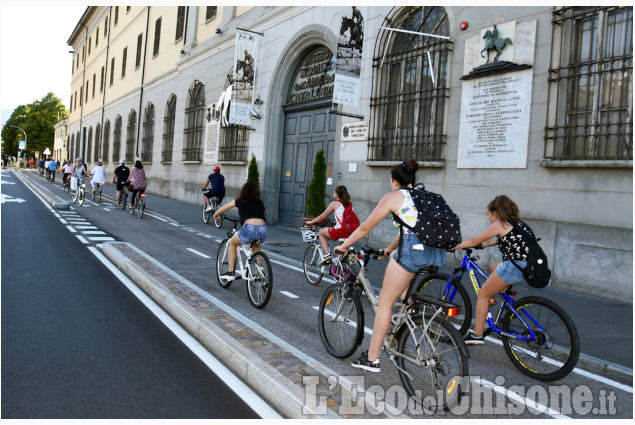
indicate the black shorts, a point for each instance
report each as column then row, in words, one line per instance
column 120, row 185
column 210, row 194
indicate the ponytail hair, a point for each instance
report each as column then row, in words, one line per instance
column 404, row 173
column 345, row 197
column 505, row 208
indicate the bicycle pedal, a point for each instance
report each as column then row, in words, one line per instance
column 487, row 332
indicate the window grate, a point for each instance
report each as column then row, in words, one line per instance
column 116, row 143
column 194, row 127
column 168, row 129
column 148, row 134
column 590, row 85
column 106, row 143
column 131, row 130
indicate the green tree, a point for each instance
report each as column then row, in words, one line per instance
column 37, row 120
column 317, row 188
column 252, row 173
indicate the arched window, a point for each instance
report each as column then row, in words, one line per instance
column 88, row 145
column 168, row 129
column 410, row 87
column 78, row 145
column 147, row 140
column 131, row 131
column 106, row 142
column 97, row 143
column 71, row 147
column 194, row 119
column 116, row 143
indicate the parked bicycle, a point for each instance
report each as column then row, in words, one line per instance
column 427, row 350
column 79, row 191
column 539, row 337
column 312, row 265
column 215, row 203
column 253, row 267
column 97, row 192
column 138, row 204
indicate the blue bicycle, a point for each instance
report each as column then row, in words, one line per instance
column 539, row 337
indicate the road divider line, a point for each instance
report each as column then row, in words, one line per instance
column 237, row 385
column 82, row 239
column 289, row 294
column 71, row 229
column 198, row 253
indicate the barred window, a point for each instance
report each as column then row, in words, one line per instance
column 210, row 12
column 148, row 134
column 590, row 115
column 168, row 129
column 97, row 143
column 180, row 23
column 131, row 131
column 78, row 142
column 234, row 143
column 106, row 142
column 112, row 70
column 88, row 144
column 194, row 118
column 157, row 37
column 116, row 143
column 139, row 46
column 410, row 87
column 123, row 62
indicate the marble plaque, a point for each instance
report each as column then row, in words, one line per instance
column 494, row 126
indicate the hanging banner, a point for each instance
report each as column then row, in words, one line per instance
column 212, row 137
column 245, row 56
column 349, row 59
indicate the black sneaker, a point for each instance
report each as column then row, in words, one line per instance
column 327, row 260
column 364, row 363
column 472, row 339
column 229, row 276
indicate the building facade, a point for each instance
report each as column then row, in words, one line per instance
column 59, row 143
column 534, row 102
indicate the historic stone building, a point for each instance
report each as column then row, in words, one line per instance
column 534, row 102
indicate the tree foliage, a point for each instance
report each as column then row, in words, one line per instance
column 37, row 120
column 252, row 173
column 317, row 188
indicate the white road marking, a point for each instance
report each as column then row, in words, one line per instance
column 198, row 253
column 92, row 232
column 82, row 239
column 71, row 229
column 100, row 238
column 289, row 294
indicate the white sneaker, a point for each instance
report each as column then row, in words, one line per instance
column 208, row 209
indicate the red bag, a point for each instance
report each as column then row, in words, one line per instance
column 350, row 221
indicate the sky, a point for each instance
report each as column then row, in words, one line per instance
column 34, row 56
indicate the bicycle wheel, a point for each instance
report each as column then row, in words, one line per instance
column 222, row 263
column 99, row 194
column 141, row 207
column 433, row 365
column 341, row 320
column 132, row 202
column 260, row 282
column 82, row 196
column 436, row 285
column 94, row 194
column 206, row 214
column 554, row 352
column 218, row 221
column 75, row 196
column 312, row 271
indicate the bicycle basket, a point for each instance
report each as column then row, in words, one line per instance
column 308, row 233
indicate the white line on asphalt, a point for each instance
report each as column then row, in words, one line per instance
column 289, row 294
column 175, row 224
column 198, row 253
column 86, row 227
column 527, row 402
column 158, row 218
column 349, row 322
column 92, row 232
column 100, row 238
column 82, row 239
column 107, row 209
column 63, row 221
column 239, row 387
column 71, row 229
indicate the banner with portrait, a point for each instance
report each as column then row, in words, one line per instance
column 245, row 56
column 348, row 62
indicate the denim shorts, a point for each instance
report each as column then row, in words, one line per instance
column 250, row 232
column 509, row 273
column 412, row 259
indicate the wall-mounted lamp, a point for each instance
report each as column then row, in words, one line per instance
column 218, row 31
column 71, row 52
column 258, row 101
column 182, row 51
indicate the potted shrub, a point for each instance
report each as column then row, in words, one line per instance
column 252, row 172
column 316, row 192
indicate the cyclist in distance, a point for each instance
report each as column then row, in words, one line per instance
column 402, row 268
column 67, row 169
column 251, row 210
column 137, row 181
column 52, row 168
column 99, row 175
column 342, row 201
column 502, row 274
column 217, row 188
column 79, row 169
column 41, row 166
column 119, row 177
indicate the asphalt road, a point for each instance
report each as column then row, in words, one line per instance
column 77, row 344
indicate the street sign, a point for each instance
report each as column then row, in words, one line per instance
column 37, row 154
column 47, row 151
column 22, row 144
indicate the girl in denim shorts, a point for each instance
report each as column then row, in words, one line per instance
column 513, row 246
column 251, row 210
column 413, row 256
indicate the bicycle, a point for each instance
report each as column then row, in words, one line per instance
column 533, row 329
column 79, row 194
column 97, row 192
column 67, row 183
column 215, row 203
column 253, row 267
column 314, row 256
column 123, row 201
column 427, row 350
column 138, row 203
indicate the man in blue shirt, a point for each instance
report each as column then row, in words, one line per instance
column 52, row 167
column 217, row 188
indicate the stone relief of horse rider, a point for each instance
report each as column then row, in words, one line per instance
column 493, row 42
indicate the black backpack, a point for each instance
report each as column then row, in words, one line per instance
column 436, row 224
column 537, row 273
